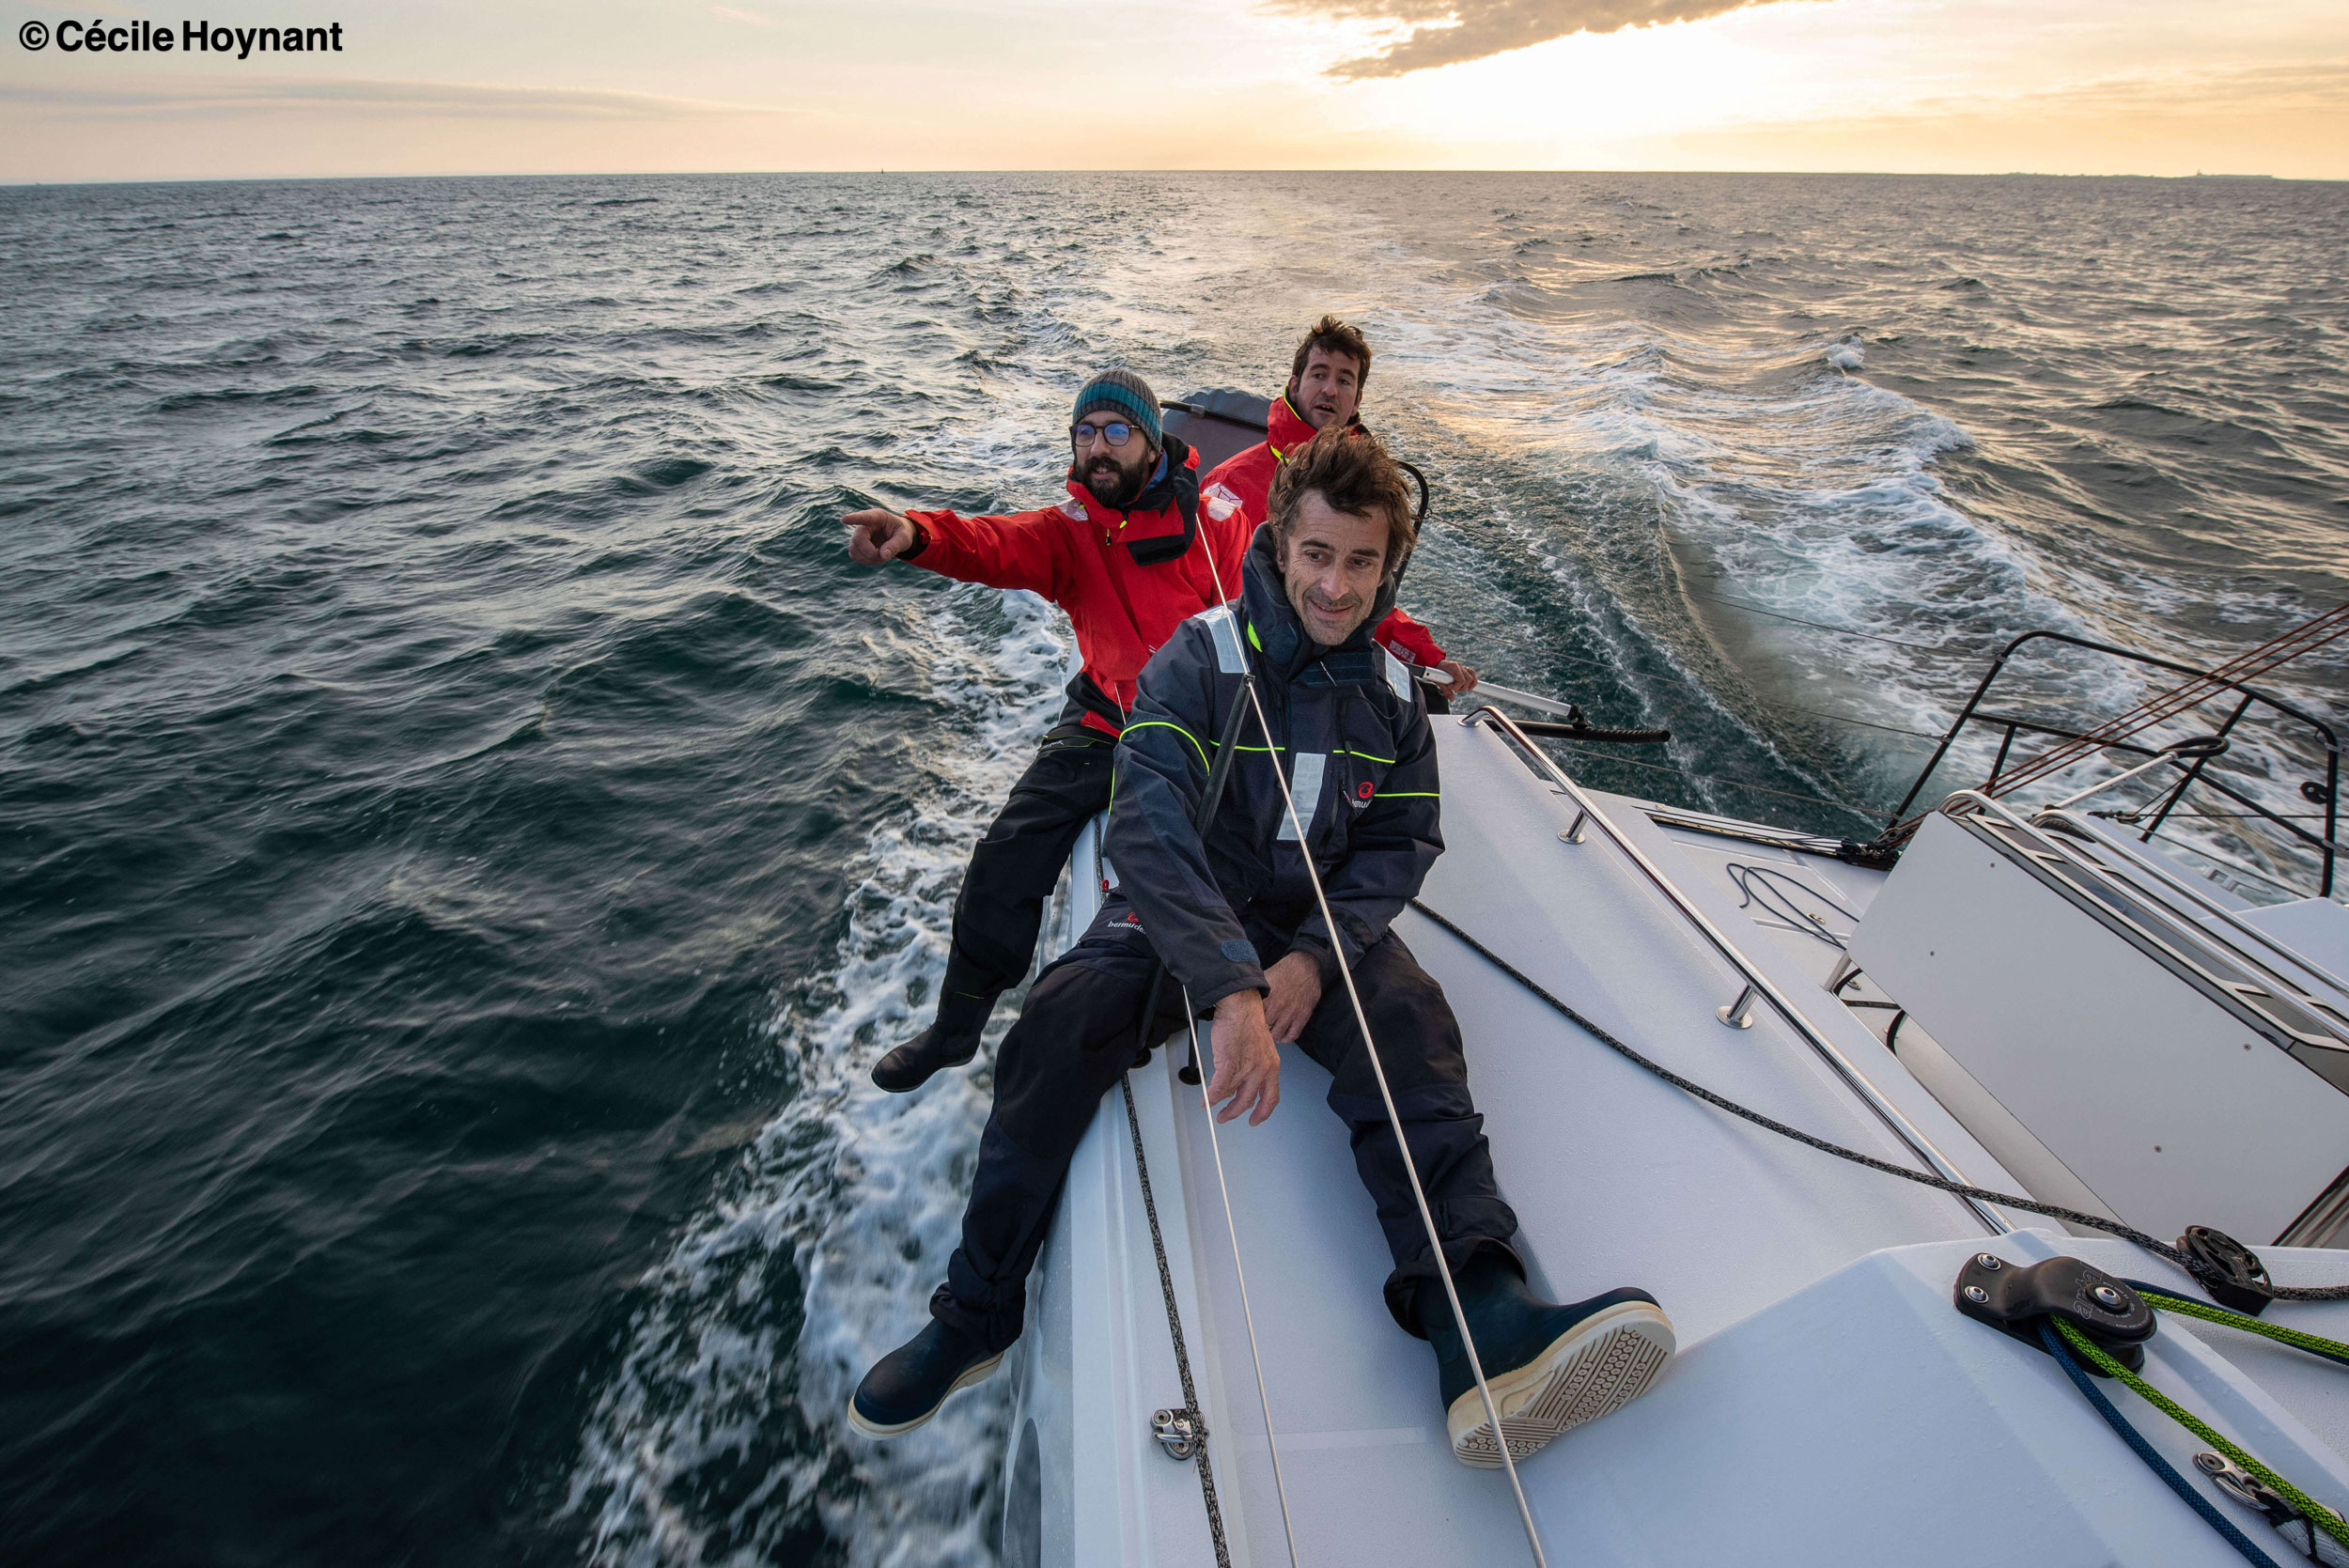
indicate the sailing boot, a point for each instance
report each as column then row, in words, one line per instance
column 907, row 1385
column 1550, row 1367
column 950, row 1042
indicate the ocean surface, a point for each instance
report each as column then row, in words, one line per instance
column 466, row 829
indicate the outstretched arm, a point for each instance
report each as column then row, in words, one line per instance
column 1020, row 550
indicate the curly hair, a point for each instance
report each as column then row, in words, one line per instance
column 1351, row 472
column 1333, row 337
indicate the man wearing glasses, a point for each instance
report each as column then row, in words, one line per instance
column 1124, row 555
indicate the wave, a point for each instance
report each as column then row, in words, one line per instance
column 721, row 1431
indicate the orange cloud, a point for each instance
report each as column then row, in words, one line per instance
column 1451, row 32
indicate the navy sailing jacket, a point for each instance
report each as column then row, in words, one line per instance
column 1350, row 730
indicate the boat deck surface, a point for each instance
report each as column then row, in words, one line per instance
column 1822, row 1376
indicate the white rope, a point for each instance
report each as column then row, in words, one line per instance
column 1394, row 1122
column 1264, row 1399
column 1386, row 1096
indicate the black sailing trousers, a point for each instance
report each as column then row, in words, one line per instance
column 1076, row 1035
column 1001, row 907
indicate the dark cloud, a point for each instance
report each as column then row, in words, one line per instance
column 1446, row 32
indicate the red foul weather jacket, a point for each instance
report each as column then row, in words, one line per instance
column 1240, row 488
column 1126, row 578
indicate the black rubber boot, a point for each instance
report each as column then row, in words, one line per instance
column 1550, row 1367
column 907, row 1385
column 950, row 1042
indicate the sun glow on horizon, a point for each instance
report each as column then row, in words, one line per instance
column 1901, row 86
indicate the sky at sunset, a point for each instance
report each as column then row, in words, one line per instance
column 2058, row 86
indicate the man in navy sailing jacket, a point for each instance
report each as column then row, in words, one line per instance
column 1233, row 917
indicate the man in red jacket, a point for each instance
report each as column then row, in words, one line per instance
column 1130, row 557
column 1326, row 380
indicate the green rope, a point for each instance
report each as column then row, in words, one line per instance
column 2316, row 1514
column 2315, row 1345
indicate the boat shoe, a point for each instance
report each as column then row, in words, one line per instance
column 907, row 1385
column 1550, row 1367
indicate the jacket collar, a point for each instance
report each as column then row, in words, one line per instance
column 1287, row 428
column 1163, row 523
column 1272, row 626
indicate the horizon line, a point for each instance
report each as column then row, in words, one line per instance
column 761, row 174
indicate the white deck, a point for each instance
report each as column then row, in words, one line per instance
column 1827, row 1406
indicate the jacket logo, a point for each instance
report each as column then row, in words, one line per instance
column 1361, row 791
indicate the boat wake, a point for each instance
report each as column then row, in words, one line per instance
column 719, row 1437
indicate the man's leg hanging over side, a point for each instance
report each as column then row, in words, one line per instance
column 1075, row 1039
column 1000, row 907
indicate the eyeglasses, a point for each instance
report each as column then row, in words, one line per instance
column 1116, row 432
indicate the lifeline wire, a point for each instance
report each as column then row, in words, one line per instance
column 1248, row 1316
column 1922, row 1178
column 1394, row 1119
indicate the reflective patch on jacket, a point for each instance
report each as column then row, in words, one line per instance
column 1305, row 789
column 1074, row 510
column 1398, row 673
column 1219, row 500
column 1224, row 631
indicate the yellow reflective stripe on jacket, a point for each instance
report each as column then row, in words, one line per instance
column 1163, row 724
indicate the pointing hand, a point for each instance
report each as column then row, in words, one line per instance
column 876, row 535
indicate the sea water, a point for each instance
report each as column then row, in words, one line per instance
column 470, row 830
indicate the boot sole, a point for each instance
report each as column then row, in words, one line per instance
column 1594, row 1369
column 978, row 1372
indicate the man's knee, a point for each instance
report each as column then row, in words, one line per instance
column 1418, row 1037
column 1060, row 790
column 1074, row 1037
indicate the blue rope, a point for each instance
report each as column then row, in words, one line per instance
column 2145, row 1451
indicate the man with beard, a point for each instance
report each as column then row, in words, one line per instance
column 1325, row 388
column 1230, row 909
column 1129, row 556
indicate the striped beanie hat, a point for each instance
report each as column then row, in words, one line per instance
column 1123, row 392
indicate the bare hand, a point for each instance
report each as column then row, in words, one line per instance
column 1463, row 678
column 876, row 535
column 1296, row 982
column 1247, row 1062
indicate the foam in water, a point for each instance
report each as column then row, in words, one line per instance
column 862, row 1193
column 1813, row 495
